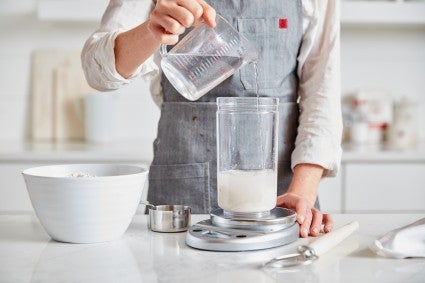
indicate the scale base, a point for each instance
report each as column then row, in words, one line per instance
column 205, row 236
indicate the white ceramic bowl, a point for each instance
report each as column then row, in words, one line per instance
column 85, row 209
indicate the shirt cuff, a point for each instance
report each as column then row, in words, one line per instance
column 319, row 151
column 106, row 59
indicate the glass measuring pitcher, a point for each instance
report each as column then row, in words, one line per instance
column 247, row 149
column 205, row 57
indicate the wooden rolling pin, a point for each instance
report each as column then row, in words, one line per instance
column 307, row 254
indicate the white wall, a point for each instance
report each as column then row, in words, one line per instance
column 20, row 33
column 388, row 58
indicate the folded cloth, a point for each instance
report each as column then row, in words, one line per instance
column 407, row 241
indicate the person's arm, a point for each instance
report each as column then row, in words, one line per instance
column 129, row 34
column 317, row 150
column 128, row 52
column 98, row 58
column 168, row 20
column 301, row 196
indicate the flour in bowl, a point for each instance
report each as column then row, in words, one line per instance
column 80, row 175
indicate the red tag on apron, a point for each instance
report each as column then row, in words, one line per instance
column 283, row 23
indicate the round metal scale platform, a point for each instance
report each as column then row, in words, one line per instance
column 225, row 232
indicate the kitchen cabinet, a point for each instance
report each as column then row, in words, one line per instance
column 330, row 193
column 376, row 181
column 14, row 196
column 385, row 187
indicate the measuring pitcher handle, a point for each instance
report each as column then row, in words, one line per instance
column 163, row 50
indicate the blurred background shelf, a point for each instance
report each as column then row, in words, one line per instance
column 136, row 151
column 352, row 12
column 383, row 12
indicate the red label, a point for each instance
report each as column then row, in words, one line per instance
column 283, row 23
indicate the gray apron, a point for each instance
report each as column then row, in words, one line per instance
column 184, row 168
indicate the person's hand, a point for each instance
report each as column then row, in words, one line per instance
column 309, row 218
column 170, row 18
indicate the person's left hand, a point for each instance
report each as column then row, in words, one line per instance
column 309, row 218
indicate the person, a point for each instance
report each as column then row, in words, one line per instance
column 298, row 43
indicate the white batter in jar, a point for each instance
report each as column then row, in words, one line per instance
column 247, row 191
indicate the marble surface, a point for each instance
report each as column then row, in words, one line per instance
column 27, row 254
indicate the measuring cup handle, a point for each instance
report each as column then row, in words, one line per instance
column 148, row 204
column 163, row 50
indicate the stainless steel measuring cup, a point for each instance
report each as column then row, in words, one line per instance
column 168, row 218
column 205, row 57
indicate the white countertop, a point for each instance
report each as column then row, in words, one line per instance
column 27, row 254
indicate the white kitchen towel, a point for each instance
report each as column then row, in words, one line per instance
column 407, row 241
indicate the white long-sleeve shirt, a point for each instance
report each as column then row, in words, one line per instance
column 320, row 123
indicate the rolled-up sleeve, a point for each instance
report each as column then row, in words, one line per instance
column 320, row 123
column 98, row 58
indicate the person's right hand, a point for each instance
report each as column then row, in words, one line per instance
column 170, row 18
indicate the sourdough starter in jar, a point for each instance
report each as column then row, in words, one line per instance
column 247, row 154
column 247, row 191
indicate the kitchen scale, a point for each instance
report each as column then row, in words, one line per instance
column 244, row 231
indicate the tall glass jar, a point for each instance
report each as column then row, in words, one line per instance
column 247, row 130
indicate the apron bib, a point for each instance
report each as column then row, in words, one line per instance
column 184, row 168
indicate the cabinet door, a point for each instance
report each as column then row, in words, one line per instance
column 13, row 193
column 330, row 194
column 378, row 187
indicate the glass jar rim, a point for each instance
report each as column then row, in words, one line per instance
column 241, row 104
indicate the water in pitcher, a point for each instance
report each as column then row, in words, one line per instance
column 247, row 191
column 191, row 73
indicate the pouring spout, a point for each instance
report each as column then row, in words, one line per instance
column 163, row 50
